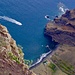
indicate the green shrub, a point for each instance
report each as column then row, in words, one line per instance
column 13, row 57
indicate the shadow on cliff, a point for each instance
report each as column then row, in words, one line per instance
column 53, row 45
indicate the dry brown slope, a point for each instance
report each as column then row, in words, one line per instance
column 62, row 30
column 11, row 56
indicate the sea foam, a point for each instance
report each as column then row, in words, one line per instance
column 10, row 20
column 62, row 8
column 40, row 59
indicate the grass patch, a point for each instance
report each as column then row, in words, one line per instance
column 52, row 67
column 63, row 65
column 13, row 57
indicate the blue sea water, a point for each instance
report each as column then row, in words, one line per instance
column 31, row 13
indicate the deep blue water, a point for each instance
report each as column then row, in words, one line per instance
column 31, row 14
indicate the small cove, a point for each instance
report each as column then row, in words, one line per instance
column 31, row 13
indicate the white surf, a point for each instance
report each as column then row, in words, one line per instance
column 41, row 58
column 62, row 8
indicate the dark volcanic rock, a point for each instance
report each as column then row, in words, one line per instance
column 62, row 29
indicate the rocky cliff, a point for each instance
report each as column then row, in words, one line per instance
column 11, row 56
column 62, row 29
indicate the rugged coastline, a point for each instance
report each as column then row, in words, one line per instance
column 11, row 56
column 62, row 30
column 60, row 62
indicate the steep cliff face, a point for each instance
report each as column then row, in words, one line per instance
column 11, row 56
column 62, row 29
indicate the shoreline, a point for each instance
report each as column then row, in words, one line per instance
column 43, row 67
column 49, row 54
column 36, row 64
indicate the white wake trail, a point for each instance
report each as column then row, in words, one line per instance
column 10, row 20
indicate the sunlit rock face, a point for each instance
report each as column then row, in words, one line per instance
column 11, row 56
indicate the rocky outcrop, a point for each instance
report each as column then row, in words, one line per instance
column 11, row 56
column 62, row 29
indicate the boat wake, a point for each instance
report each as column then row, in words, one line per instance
column 40, row 59
column 62, row 8
column 10, row 20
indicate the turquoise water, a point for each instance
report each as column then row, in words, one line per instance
column 31, row 13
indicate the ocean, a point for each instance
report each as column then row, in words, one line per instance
column 25, row 20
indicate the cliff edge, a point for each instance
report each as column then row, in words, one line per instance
column 11, row 56
column 62, row 30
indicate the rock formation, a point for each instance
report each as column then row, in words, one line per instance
column 11, row 56
column 62, row 29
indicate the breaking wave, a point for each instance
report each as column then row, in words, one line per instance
column 62, row 8
column 10, row 20
column 47, row 18
column 41, row 58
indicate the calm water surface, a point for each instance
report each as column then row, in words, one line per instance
column 31, row 14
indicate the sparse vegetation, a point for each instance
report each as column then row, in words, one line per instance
column 13, row 57
column 28, row 62
column 64, row 66
column 52, row 66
